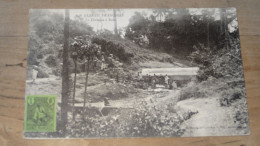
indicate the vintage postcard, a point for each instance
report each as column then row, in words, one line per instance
column 97, row 73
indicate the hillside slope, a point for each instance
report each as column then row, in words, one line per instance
column 142, row 57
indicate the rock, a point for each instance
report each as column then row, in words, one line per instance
column 41, row 73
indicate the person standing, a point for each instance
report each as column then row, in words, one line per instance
column 106, row 102
column 153, row 82
column 95, row 60
column 149, row 81
column 102, row 62
column 174, row 85
column 139, row 76
column 34, row 73
column 166, row 80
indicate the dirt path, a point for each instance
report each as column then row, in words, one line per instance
column 212, row 119
column 153, row 98
column 123, row 103
column 51, row 85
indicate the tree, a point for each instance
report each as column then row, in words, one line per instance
column 137, row 28
column 74, row 55
column 90, row 51
column 161, row 13
column 65, row 75
column 79, row 27
column 115, row 22
column 87, row 52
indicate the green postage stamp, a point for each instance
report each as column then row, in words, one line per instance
column 40, row 113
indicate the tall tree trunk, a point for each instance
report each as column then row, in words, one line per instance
column 208, row 32
column 65, row 75
column 74, row 89
column 226, row 29
column 86, row 84
column 86, row 87
column 221, row 20
column 115, row 22
column 75, row 81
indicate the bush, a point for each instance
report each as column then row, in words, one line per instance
column 51, row 61
column 241, row 116
column 109, row 47
column 46, row 51
column 41, row 73
column 231, row 95
column 148, row 120
column 57, row 71
column 143, row 120
column 192, row 91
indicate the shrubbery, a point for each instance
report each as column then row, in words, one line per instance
column 144, row 120
column 241, row 116
column 231, row 95
column 41, row 73
column 110, row 47
column 193, row 91
column 51, row 61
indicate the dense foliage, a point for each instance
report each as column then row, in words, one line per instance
column 178, row 32
column 202, row 38
column 144, row 120
column 109, row 47
column 46, row 35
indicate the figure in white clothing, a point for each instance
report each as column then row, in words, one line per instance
column 139, row 76
column 166, row 78
column 35, row 73
column 102, row 63
column 174, row 85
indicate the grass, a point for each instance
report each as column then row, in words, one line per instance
column 230, row 94
column 224, row 88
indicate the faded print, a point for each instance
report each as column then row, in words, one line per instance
column 139, row 72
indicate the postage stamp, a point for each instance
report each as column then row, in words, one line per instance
column 40, row 113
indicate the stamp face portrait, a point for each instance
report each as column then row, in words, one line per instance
column 40, row 113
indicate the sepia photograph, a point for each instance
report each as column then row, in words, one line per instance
column 107, row 73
